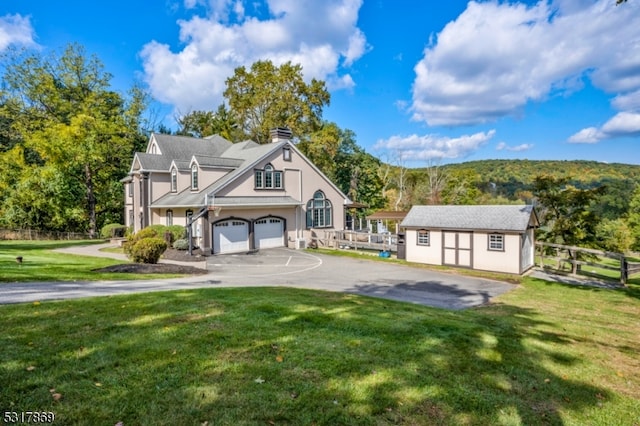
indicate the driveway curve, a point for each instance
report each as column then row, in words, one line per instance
column 290, row 268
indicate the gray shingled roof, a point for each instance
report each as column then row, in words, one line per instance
column 184, row 147
column 153, row 161
column 209, row 161
column 495, row 218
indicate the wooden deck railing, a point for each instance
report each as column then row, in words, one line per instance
column 354, row 240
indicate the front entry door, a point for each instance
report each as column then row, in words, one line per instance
column 457, row 249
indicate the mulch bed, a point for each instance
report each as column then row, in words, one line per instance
column 162, row 268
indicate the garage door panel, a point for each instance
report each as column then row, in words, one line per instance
column 230, row 236
column 269, row 232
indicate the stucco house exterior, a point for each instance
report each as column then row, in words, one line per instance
column 491, row 238
column 237, row 196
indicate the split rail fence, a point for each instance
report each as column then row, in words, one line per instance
column 34, row 234
column 577, row 260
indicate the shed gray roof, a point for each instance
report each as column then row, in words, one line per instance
column 494, row 218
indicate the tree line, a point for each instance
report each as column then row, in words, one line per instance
column 67, row 138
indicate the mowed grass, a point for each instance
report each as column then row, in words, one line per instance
column 543, row 354
column 40, row 263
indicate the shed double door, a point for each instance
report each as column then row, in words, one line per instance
column 457, row 248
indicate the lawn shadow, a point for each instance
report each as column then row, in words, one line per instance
column 292, row 356
column 432, row 293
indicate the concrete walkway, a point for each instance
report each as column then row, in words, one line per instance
column 96, row 250
column 285, row 268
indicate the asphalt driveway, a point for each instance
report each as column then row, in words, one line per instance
column 283, row 267
column 290, row 268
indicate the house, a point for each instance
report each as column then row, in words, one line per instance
column 490, row 238
column 234, row 197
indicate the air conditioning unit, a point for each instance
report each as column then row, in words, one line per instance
column 301, row 243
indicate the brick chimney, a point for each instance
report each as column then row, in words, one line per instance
column 280, row 134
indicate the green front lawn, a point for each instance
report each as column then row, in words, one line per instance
column 40, row 263
column 542, row 354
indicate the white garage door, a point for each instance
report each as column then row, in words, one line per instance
column 269, row 232
column 230, row 236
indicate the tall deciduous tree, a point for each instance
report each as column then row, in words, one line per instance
column 206, row 123
column 633, row 218
column 83, row 133
column 565, row 211
column 267, row 96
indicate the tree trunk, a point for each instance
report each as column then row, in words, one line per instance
column 91, row 200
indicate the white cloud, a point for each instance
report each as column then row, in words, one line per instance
column 429, row 147
column 320, row 35
column 15, row 30
column 621, row 125
column 518, row 148
column 627, row 102
column 497, row 56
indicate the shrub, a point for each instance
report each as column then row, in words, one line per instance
column 148, row 232
column 113, row 230
column 148, row 250
column 177, row 231
column 181, row 244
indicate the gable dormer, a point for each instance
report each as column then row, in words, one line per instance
column 153, row 147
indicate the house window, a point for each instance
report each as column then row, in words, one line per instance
column 189, row 215
column 286, row 153
column 131, row 218
column 169, row 217
column 268, row 178
column 319, row 212
column 496, row 242
column 131, row 189
column 174, row 180
column 194, row 177
column 423, row 237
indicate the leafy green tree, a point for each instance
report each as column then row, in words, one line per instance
column 323, row 145
column 206, row 123
column 614, row 201
column 83, row 133
column 565, row 212
column 614, row 235
column 460, row 188
column 267, row 96
column 357, row 173
column 633, row 218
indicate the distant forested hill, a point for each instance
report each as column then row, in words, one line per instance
column 524, row 171
column 513, row 178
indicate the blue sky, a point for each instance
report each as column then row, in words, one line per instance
column 418, row 82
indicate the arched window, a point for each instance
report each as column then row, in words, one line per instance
column 268, row 178
column 319, row 212
column 194, row 177
column 174, row 180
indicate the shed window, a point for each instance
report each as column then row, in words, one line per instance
column 496, row 242
column 424, row 237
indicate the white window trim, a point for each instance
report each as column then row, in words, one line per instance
column 428, row 237
column 495, row 242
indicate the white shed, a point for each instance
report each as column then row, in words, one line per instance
column 491, row 238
